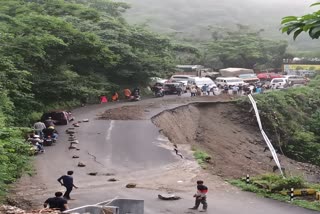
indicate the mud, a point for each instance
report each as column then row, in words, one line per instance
column 230, row 135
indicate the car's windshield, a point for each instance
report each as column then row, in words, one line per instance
column 180, row 78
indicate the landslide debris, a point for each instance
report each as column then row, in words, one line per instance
column 230, row 135
column 124, row 113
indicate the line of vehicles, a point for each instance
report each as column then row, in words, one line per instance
column 229, row 77
column 44, row 133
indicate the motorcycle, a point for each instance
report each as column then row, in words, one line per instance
column 135, row 97
column 159, row 93
column 48, row 140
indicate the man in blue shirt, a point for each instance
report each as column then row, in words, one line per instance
column 67, row 182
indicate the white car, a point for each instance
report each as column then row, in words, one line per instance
column 229, row 81
column 201, row 81
column 278, row 83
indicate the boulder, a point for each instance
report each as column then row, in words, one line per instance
column 168, row 197
column 75, row 156
column 112, row 180
column 72, row 146
column 74, row 142
column 131, row 185
column 93, row 173
column 80, row 164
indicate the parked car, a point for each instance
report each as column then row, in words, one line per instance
column 58, row 117
column 295, row 80
column 279, row 83
column 229, row 81
column 171, row 87
column 181, row 78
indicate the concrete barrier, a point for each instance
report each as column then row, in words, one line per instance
column 126, row 205
column 94, row 209
column 114, row 206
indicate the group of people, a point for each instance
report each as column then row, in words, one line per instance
column 42, row 130
column 60, row 201
column 128, row 94
column 243, row 89
column 204, row 90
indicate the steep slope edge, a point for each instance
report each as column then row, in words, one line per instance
column 230, row 135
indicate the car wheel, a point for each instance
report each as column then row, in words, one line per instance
column 64, row 122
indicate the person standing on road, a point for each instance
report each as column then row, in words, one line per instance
column 38, row 127
column 204, row 89
column 201, row 197
column 193, row 91
column 67, row 182
column 179, row 90
column 56, row 202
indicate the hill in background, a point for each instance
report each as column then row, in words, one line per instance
column 194, row 18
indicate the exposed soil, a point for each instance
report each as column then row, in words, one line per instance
column 135, row 112
column 230, row 136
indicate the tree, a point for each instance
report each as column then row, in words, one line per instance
column 309, row 23
column 243, row 48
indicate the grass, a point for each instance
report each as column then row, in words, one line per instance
column 201, row 157
column 270, row 193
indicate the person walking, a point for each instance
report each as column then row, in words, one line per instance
column 56, row 202
column 201, row 197
column 67, row 182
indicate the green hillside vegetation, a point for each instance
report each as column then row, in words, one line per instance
column 292, row 119
column 60, row 52
column 56, row 54
column 196, row 19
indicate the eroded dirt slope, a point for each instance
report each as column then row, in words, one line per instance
column 230, row 135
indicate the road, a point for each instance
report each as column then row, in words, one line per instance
column 134, row 151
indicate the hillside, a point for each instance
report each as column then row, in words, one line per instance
column 192, row 19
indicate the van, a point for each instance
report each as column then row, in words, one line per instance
column 229, row 81
column 279, row 83
column 201, row 81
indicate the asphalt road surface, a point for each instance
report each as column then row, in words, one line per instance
column 131, row 151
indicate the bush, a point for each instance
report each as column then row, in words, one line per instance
column 201, row 156
column 14, row 157
column 292, row 118
column 273, row 183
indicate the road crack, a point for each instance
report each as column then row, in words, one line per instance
column 94, row 158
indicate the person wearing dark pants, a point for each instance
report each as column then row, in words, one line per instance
column 67, row 182
column 201, row 197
